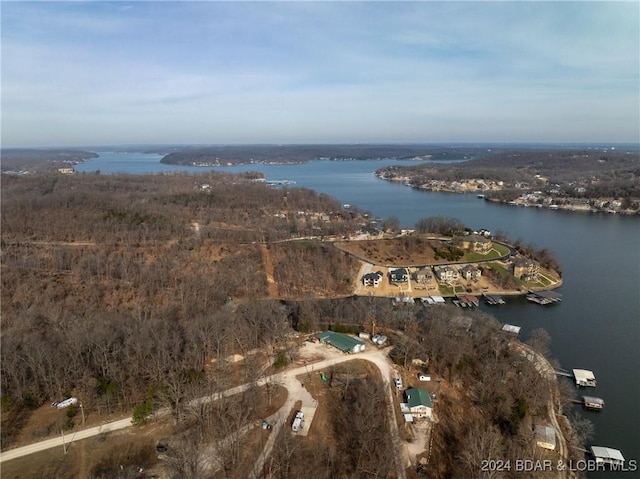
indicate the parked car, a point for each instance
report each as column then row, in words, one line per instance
column 424, row 377
column 298, row 422
column 398, row 382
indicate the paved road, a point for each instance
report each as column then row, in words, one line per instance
column 286, row 378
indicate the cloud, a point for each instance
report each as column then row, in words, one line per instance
column 273, row 71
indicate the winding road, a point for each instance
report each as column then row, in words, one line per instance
column 296, row 392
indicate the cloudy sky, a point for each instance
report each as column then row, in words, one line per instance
column 86, row 73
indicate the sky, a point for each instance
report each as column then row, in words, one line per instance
column 207, row 72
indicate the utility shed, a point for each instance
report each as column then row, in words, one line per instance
column 343, row 342
column 606, row 455
column 546, row 437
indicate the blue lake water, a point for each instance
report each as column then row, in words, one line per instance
column 597, row 325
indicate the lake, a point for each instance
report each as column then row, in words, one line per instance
column 597, row 324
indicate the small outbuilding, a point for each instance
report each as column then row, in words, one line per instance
column 343, row 342
column 546, row 437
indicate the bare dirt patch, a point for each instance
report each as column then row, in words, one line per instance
column 400, row 251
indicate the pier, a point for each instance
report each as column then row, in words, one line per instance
column 544, row 297
column 492, row 300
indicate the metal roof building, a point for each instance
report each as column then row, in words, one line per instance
column 343, row 342
column 546, row 437
column 606, row 455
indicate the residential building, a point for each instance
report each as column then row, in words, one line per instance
column 372, row 279
column 446, row 273
column 419, row 402
column 399, row 275
column 470, row 272
column 423, row 275
column 526, row 269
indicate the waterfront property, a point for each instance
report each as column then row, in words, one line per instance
column 590, row 402
column 372, row 279
column 399, row 275
column 584, row 377
column 544, row 297
column 607, row 455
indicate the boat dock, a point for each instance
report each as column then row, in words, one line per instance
column 594, row 403
column 466, row 301
column 492, row 300
column 544, row 297
column 584, row 377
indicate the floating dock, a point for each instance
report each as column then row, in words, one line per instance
column 466, row 301
column 584, row 377
column 607, row 455
column 492, row 300
column 594, row 403
column 544, row 297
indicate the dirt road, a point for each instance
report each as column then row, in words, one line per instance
column 296, row 392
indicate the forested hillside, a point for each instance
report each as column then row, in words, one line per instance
column 102, row 272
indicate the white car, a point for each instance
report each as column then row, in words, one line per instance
column 398, row 382
column 424, row 377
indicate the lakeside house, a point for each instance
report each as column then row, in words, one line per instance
column 372, row 279
column 399, row 275
column 446, row 273
column 476, row 243
column 470, row 272
column 423, row 275
column 526, row 269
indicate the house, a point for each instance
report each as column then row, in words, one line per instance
column 446, row 273
column 546, row 437
column 419, row 402
column 343, row 342
column 470, row 272
column 423, row 275
column 372, row 279
column 399, row 275
column 476, row 243
column 526, row 269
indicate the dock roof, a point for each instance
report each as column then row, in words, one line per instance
column 606, row 454
column 584, row 375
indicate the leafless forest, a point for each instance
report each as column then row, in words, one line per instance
column 123, row 289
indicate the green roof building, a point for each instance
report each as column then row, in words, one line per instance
column 343, row 342
column 419, row 402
